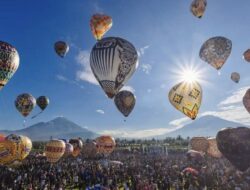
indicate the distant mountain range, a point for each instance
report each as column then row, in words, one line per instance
column 204, row 126
column 59, row 127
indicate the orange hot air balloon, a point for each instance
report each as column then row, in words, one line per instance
column 199, row 144
column 105, row 144
column 198, row 7
column 213, row 148
column 246, row 55
column 77, row 145
column 99, row 25
column 54, row 150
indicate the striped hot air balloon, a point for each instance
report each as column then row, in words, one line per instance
column 54, row 150
column 113, row 61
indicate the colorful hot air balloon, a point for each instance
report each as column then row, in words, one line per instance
column 113, row 60
column 54, row 150
column 125, row 102
column 9, row 62
column 68, row 149
column 246, row 100
column 198, row 7
column 105, row 144
column 213, row 148
column 246, row 55
column 215, row 51
column 42, row 102
column 61, row 48
column 25, row 103
column 199, row 144
column 77, row 145
column 186, row 97
column 235, row 77
column 234, row 144
column 100, row 24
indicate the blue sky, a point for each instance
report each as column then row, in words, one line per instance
column 166, row 35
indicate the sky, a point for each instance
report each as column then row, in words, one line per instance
column 167, row 37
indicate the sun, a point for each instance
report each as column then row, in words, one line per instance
column 189, row 75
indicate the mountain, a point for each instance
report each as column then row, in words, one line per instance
column 204, row 126
column 59, row 127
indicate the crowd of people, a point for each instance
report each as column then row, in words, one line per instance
column 132, row 170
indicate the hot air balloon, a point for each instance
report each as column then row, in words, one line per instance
column 105, row 144
column 77, row 145
column 42, row 102
column 246, row 55
column 54, row 150
column 213, row 148
column 68, row 149
column 125, row 102
column 61, row 48
column 235, row 77
column 198, row 7
column 186, row 97
column 99, row 25
column 90, row 149
column 113, row 60
column 234, row 144
column 215, row 51
column 25, row 103
column 246, row 100
column 9, row 62
column 199, row 144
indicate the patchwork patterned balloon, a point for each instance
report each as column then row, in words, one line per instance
column 54, row 150
column 213, row 148
column 99, row 25
column 199, row 144
column 246, row 55
column 61, row 48
column 246, row 100
column 235, row 77
column 186, row 97
column 215, row 51
column 9, row 62
column 198, row 7
column 234, row 144
column 77, row 145
column 125, row 102
column 25, row 103
column 42, row 102
column 113, row 61
column 105, row 144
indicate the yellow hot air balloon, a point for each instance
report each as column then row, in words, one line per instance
column 199, row 144
column 213, row 148
column 24, row 147
column 105, row 144
column 100, row 24
column 198, row 7
column 54, row 150
column 186, row 97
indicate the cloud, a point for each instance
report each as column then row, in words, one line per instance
column 236, row 97
column 69, row 81
column 128, row 88
column 141, row 51
column 144, row 133
column 146, row 68
column 179, row 123
column 100, row 111
column 85, row 73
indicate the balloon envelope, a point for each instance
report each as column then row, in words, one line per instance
column 90, row 149
column 42, row 102
column 213, row 148
column 99, row 25
column 199, row 144
column 25, row 103
column 186, row 97
column 61, row 48
column 113, row 61
column 235, row 77
column 105, row 144
column 246, row 100
column 54, row 150
column 125, row 102
column 246, row 55
column 215, row 51
column 234, row 144
column 77, row 145
column 198, row 7
column 68, row 149
column 9, row 62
